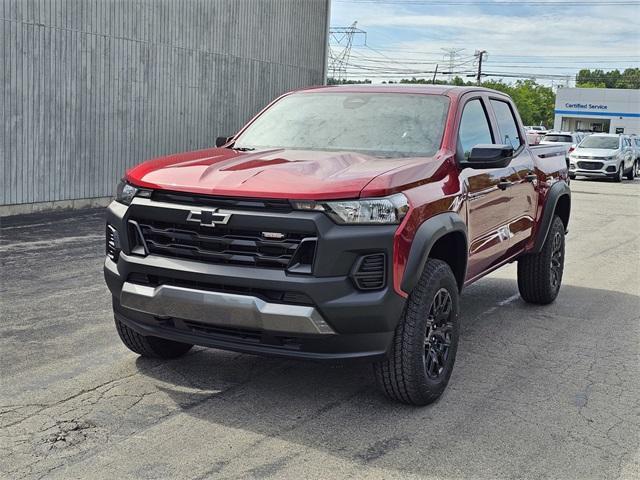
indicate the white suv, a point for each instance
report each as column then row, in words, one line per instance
column 603, row 155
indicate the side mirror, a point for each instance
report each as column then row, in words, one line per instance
column 220, row 141
column 488, row 156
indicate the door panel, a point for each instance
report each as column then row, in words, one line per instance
column 488, row 209
column 487, row 203
column 523, row 192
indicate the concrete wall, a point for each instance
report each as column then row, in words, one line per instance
column 92, row 87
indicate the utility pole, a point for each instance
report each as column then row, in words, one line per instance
column 480, row 54
column 452, row 53
column 433, row 82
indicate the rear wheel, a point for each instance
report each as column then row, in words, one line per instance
column 540, row 274
column 152, row 347
column 419, row 364
column 632, row 172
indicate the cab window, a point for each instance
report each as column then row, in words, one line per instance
column 509, row 132
column 474, row 128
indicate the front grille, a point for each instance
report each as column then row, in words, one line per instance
column 240, row 334
column 369, row 272
column 222, row 244
column 590, row 165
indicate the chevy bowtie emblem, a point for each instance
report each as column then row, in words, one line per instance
column 208, row 218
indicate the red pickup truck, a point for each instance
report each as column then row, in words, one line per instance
column 340, row 222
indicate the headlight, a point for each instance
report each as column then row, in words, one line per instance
column 367, row 211
column 125, row 192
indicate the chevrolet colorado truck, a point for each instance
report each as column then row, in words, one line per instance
column 340, row 222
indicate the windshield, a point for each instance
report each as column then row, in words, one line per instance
column 558, row 138
column 379, row 124
column 609, row 143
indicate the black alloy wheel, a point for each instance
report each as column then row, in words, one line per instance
column 557, row 263
column 438, row 336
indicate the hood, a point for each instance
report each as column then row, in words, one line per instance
column 595, row 152
column 272, row 173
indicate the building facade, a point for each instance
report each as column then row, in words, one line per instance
column 90, row 88
column 606, row 110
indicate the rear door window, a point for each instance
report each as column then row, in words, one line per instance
column 558, row 138
column 509, row 133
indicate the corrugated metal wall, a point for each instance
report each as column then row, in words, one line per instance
column 92, row 87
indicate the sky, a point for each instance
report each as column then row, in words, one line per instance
column 548, row 39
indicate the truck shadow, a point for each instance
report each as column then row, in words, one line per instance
column 523, row 379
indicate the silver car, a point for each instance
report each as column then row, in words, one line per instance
column 605, row 156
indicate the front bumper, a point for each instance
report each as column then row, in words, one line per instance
column 608, row 168
column 222, row 306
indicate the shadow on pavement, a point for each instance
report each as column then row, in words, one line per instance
column 527, row 377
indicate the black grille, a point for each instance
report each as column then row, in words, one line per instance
column 222, row 244
column 240, row 334
column 590, row 165
column 369, row 272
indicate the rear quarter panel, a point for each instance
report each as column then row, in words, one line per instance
column 551, row 167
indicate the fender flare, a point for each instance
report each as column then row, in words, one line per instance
column 557, row 190
column 425, row 238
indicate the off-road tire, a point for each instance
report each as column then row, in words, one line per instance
column 535, row 271
column 402, row 374
column 152, row 347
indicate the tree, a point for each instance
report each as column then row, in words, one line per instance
column 630, row 78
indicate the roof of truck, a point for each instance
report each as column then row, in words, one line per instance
column 403, row 88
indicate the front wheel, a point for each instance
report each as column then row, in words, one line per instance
column 620, row 174
column 540, row 274
column 419, row 364
column 152, row 347
column 632, row 172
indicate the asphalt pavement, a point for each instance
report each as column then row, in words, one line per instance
column 537, row 392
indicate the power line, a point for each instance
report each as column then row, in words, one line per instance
column 343, row 36
column 452, row 53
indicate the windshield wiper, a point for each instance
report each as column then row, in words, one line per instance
column 242, row 149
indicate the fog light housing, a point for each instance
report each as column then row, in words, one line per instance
column 113, row 245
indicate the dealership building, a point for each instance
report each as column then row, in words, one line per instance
column 608, row 110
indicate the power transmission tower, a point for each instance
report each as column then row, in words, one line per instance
column 480, row 54
column 452, row 53
column 340, row 43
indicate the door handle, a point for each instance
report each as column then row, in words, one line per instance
column 504, row 184
column 532, row 177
